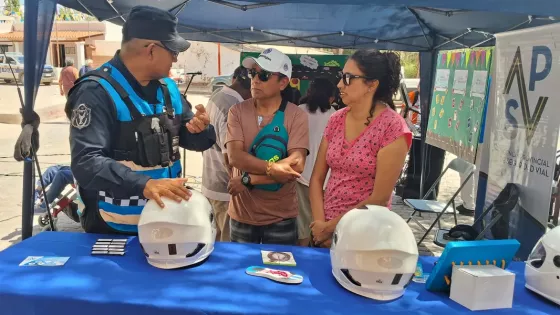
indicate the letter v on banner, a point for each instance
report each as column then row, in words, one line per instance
column 516, row 71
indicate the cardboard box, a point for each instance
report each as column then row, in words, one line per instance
column 482, row 287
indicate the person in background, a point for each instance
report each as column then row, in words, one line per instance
column 68, row 75
column 366, row 136
column 291, row 94
column 58, row 176
column 216, row 172
column 468, row 193
column 317, row 105
column 259, row 214
column 414, row 99
column 87, row 67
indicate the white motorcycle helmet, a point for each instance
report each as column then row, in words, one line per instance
column 179, row 235
column 374, row 253
column 542, row 269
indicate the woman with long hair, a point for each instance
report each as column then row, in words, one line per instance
column 364, row 145
column 317, row 105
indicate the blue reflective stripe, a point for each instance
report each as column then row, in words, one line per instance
column 143, row 107
column 122, row 210
column 123, row 227
column 123, row 114
column 166, row 172
column 175, row 95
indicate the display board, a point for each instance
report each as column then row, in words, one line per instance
column 458, row 101
column 307, row 67
column 523, row 133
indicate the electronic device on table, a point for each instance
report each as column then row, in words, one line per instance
column 487, row 252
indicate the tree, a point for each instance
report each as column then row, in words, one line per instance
column 11, row 6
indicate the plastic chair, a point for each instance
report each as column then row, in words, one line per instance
column 433, row 206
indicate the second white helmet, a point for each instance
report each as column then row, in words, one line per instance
column 542, row 269
column 178, row 235
column 374, row 253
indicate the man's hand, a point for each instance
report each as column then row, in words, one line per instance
column 320, row 231
column 235, row 186
column 171, row 188
column 61, row 92
column 200, row 121
column 283, row 172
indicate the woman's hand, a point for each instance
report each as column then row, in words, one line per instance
column 321, row 231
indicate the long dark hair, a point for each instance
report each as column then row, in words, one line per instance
column 384, row 67
column 319, row 95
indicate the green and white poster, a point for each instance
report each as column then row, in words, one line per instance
column 458, row 101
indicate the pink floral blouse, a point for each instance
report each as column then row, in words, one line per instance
column 353, row 164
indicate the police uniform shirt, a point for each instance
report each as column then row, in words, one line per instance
column 91, row 136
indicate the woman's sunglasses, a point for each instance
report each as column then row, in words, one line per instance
column 263, row 75
column 347, row 77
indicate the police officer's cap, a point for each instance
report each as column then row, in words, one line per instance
column 145, row 22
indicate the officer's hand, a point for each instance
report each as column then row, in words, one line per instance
column 171, row 188
column 200, row 120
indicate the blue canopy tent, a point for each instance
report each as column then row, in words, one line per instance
column 425, row 26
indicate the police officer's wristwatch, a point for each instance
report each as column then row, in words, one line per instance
column 246, row 180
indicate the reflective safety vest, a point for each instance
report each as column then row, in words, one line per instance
column 146, row 140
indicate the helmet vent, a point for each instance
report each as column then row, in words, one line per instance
column 349, row 277
column 172, row 249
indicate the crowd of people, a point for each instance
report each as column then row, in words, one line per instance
column 278, row 168
column 332, row 156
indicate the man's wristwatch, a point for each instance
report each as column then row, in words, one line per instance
column 246, row 180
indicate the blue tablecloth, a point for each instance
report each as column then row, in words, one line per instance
column 103, row 285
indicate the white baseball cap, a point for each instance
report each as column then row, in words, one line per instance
column 271, row 60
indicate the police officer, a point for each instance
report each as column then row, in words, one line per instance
column 128, row 120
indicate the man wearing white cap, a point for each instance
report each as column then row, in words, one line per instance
column 267, row 144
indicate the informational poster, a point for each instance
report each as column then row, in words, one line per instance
column 524, row 132
column 458, row 101
column 479, row 83
column 442, row 80
column 460, row 81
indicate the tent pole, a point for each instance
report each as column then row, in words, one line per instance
column 85, row 8
column 453, row 39
column 449, row 40
column 180, row 6
column 243, row 7
column 114, row 9
column 420, row 22
column 428, row 61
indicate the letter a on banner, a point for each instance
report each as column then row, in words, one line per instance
column 531, row 121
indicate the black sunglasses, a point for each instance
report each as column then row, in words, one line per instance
column 347, row 77
column 174, row 53
column 263, row 75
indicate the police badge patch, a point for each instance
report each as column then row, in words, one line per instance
column 81, row 116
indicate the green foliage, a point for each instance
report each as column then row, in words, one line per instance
column 11, row 6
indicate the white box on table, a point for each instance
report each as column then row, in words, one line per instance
column 482, row 287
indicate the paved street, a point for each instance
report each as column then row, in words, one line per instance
column 54, row 149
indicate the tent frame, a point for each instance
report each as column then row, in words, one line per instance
column 428, row 58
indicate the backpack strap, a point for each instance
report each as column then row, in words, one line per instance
column 104, row 72
column 283, row 105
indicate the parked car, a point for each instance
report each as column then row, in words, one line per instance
column 16, row 62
